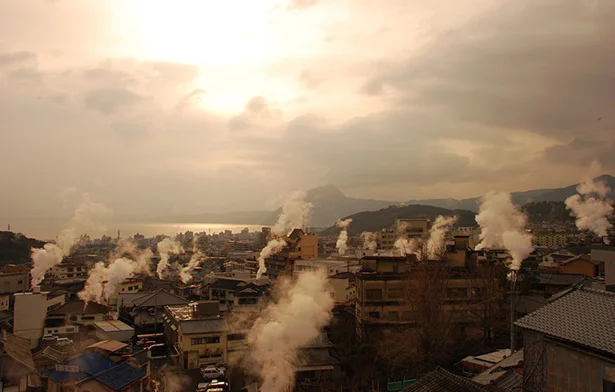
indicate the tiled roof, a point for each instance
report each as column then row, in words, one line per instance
column 227, row 284
column 51, row 353
column 562, row 279
column 76, row 307
column 442, row 381
column 16, row 348
column 120, row 376
column 159, row 298
column 584, row 316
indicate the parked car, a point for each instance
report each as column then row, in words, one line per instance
column 217, row 386
column 212, row 372
column 202, row 387
column 64, row 342
column 49, row 338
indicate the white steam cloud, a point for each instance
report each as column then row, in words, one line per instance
column 197, row 256
column 286, row 326
column 166, row 247
column 85, row 219
column 369, row 240
column 295, row 213
column 437, row 235
column 410, row 246
column 503, row 225
column 591, row 208
column 342, row 240
column 103, row 280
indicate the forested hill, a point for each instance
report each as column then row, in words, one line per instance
column 15, row 247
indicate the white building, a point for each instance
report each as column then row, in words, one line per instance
column 69, row 270
column 329, row 266
column 30, row 313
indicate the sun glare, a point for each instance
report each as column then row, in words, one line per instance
column 205, row 32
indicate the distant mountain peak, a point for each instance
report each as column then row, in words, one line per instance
column 325, row 191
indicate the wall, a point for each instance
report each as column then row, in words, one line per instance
column 606, row 254
column 64, row 330
column 14, row 282
column 580, row 267
column 4, row 302
column 29, row 316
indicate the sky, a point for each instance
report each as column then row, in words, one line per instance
column 159, row 107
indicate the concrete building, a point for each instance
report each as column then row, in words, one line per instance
column 14, row 282
column 382, row 294
column 30, row 312
column 569, row 344
column 329, row 267
column 343, row 288
column 200, row 336
column 606, row 255
column 550, row 240
column 406, row 228
column 299, row 246
column 126, row 287
column 69, row 270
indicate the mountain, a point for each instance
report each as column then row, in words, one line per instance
column 519, row 198
column 547, row 211
column 15, row 247
column 331, row 204
column 385, row 218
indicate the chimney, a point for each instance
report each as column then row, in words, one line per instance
column 36, row 289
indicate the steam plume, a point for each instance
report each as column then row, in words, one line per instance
column 342, row 240
column 287, row 325
column 85, row 219
column 369, row 240
column 295, row 213
column 503, row 225
column 167, row 247
column 185, row 273
column 437, row 235
column 591, row 208
column 103, row 279
column 410, row 246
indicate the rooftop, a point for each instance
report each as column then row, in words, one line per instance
column 584, row 316
column 112, row 326
column 108, row 345
column 77, row 307
column 443, row 381
column 204, row 326
column 17, row 349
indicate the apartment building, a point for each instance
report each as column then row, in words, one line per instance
column 14, row 282
column 404, row 227
column 30, row 313
column 69, row 271
column 550, row 240
column 126, row 287
column 382, row 291
column 199, row 335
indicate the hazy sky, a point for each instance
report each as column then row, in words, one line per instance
column 157, row 107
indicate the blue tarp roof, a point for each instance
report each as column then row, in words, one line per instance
column 120, row 376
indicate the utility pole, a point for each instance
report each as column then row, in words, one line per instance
column 513, row 280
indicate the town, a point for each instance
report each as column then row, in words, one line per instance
column 420, row 304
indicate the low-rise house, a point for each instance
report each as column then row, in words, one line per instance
column 571, row 342
column 199, row 335
column 114, row 330
column 505, row 375
column 46, row 358
column 128, row 286
column 581, row 264
column 225, row 290
column 17, row 369
column 552, row 283
column 145, row 310
column 443, row 381
column 78, row 313
column 69, row 270
column 92, row 371
column 14, row 282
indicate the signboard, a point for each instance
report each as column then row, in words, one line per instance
column 67, row 368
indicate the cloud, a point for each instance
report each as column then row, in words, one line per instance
column 257, row 111
column 301, row 4
column 190, row 99
column 16, row 58
column 108, row 100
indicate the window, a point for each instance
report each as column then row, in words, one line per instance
column 393, row 316
column 373, row 294
column 457, row 293
column 20, row 281
column 236, row 336
column 396, row 293
column 207, row 340
column 375, row 315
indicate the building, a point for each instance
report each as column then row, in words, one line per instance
column 442, row 380
column 145, row 310
column 343, row 288
column 126, row 287
column 30, row 312
column 581, row 264
column 199, row 335
column 4, row 303
column 114, row 330
column 405, row 228
column 69, row 270
column 78, row 313
column 570, row 342
column 92, row 371
column 606, row 255
column 382, row 290
column 329, row 267
column 550, row 240
column 299, row 246
column 14, row 282
column 17, row 369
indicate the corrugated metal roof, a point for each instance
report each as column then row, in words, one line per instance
column 584, row 316
column 108, row 345
column 442, row 381
column 204, row 326
column 120, row 376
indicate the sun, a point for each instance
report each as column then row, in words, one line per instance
column 204, row 32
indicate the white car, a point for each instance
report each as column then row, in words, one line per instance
column 50, row 338
column 212, row 372
column 64, row 342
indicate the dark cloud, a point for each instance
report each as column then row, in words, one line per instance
column 583, row 151
column 544, row 67
column 109, row 101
